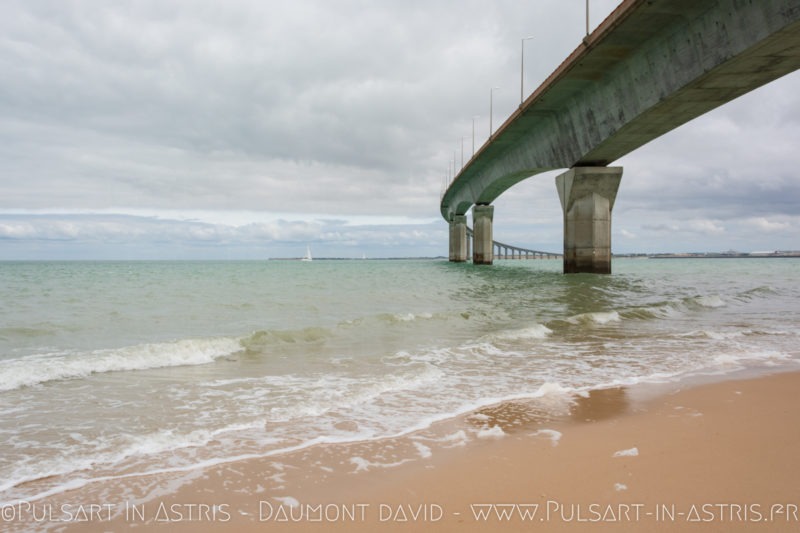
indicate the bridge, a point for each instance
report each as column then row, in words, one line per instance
column 650, row 67
column 501, row 250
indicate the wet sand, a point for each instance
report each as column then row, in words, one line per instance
column 715, row 457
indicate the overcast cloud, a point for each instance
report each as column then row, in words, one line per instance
column 249, row 129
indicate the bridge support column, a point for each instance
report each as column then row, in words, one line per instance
column 458, row 239
column 482, row 216
column 587, row 198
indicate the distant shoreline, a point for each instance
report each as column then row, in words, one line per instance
column 693, row 255
column 711, row 255
column 356, row 258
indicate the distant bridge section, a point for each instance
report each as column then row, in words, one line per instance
column 502, row 250
column 650, row 67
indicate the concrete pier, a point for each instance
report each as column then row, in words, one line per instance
column 458, row 239
column 483, row 246
column 587, row 198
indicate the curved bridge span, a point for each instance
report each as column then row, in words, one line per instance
column 502, row 250
column 650, row 67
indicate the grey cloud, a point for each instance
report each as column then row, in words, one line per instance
column 334, row 108
column 165, row 105
column 731, row 163
column 280, row 237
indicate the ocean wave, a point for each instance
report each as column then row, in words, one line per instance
column 28, row 332
column 714, row 335
column 330, row 393
column 37, row 369
column 762, row 291
column 264, row 338
column 655, row 311
column 106, row 453
column 395, row 318
column 389, row 319
column 674, row 308
column 711, row 301
column 553, row 389
column 736, row 361
column 536, row 331
column 600, row 318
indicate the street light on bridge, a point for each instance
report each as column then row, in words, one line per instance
column 491, row 97
column 522, row 70
column 587, row 18
column 473, row 133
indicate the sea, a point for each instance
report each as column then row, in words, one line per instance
column 120, row 369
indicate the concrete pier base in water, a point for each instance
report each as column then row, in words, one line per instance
column 483, row 247
column 458, row 239
column 587, row 198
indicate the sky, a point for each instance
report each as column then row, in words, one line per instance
column 250, row 129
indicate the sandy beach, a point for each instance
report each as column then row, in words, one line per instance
column 710, row 457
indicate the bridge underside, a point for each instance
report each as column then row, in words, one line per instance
column 652, row 66
column 656, row 66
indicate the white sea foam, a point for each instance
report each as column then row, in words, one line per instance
column 494, row 432
column 715, row 335
column 737, row 360
column 631, row 452
column 459, row 438
column 288, row 501
column 33, row 370
column 193, row 466
column 162, row 441
column 327, row 393
column 711, row 301
column 363, row 465
column 552, row 434
column 552, row 389
column 424, row 451
column 537, row 331
column 103, row 453
column 600, row 318
column 407, row 317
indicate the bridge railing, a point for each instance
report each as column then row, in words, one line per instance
column 509, row 251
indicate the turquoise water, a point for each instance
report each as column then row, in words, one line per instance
column 118, row 368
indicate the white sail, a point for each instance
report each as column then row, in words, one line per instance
column 308, row 254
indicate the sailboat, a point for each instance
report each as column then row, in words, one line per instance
column 308, row 254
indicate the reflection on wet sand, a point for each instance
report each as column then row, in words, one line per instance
column 513, row 416
column 600, row 404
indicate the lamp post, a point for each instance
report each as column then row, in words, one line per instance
column 473, row 133
column 522, row 70
column 491, row 101
column 587, row 18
